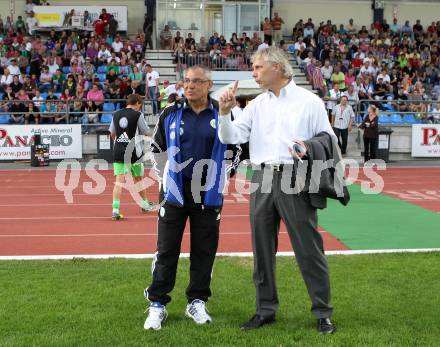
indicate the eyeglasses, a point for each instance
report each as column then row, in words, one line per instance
column 196, row 81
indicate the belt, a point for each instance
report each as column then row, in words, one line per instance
column 273, row 167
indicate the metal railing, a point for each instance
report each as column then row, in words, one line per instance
column 236, row 61
column 396, row 113
column 400, row 112
column 64, row 111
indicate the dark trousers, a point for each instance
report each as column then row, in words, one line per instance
column 148, row 42
column 204, row 225
column 268, row 38
column 268, row 206
column 342, row 135
column 369, row 149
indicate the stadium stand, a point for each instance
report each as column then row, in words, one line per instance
column 395, row 67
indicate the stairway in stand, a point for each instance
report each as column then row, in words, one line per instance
column 162, row 61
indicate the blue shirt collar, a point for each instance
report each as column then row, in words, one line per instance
column 210, row 105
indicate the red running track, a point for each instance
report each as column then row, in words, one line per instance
column 417, row 185
column 35, row 219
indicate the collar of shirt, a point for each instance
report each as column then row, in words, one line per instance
column 287, row 90
column 187, row 107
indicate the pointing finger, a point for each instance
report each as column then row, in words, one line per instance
column 234, row 89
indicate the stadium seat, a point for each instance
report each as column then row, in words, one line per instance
column 410, row 119
column 384, row 119
column 118, row 106
column 58, row 95
column 106, row 118
column 388, row 107
column 28, row 70
column 102, row 69
column 66, row 70
column 4, row 118
column 1, row 96
column 108, row 107
column 101, row 76
column 44, row 95
column 396, row 118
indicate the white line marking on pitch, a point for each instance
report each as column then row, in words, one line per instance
column 66, row 204
column 221, row 254
column 106, row 217
column 132, row 234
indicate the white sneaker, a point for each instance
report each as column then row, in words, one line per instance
column 156, row 315
column 197, row 311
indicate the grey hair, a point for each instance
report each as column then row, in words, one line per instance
column 206, row 71
column 274, row 55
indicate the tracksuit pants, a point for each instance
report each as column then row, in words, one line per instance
column 204, row 228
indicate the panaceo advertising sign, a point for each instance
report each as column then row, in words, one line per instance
column 64, row 141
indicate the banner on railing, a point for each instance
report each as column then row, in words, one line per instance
column 64, row 141
column 53, row 16
column 425, row 140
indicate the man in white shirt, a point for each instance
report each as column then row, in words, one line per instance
column 367, row 68
column 332, row 98
column 326, row 72
column 31, row 23
column 264, row 45
column 342, row 120
column 152, row 86
column 13, row 68
column 117, row 44
column 284, row 113
column 300, row 43
column 104, row 54
column 351, row 28
column 175, row 88
column 384, row 76
column 29, row 7
column 37, row 99
column 53, row 66
column 352, row 95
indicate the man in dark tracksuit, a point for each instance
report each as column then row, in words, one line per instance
column 193, row 165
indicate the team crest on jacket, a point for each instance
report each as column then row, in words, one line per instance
column 123, row 122
column 213, row 123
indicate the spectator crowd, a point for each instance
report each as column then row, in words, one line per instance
column 394, row 67
column 78, row 70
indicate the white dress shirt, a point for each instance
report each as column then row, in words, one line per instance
column 268, row 121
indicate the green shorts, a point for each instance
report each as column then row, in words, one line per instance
column 137, row 170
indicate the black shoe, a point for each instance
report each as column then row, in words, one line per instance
column 325, row 326
column 257, row 321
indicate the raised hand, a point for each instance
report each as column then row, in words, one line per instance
column 227, row 100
